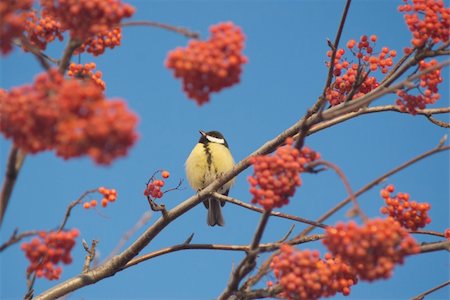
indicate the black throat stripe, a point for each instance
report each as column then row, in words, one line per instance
column 208, row 156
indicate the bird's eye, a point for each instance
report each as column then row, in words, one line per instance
column 213, row 139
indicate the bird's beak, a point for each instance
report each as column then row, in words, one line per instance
column 202, row 132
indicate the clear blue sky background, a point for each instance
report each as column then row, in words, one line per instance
column 286, row 46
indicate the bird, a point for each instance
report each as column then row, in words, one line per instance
column 209, row 159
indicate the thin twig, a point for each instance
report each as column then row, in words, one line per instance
column 15, row 238
column 428, row 232
column 90, row 254
column 248, row 263
column 71, row 206
column 16, row 158
column 272, row 213
column 346, row 183
column 140, row 223
column 374, row 183
column 438, row 122
column 422, row 296
column 184, row 31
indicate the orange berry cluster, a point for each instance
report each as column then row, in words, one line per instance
column 153, row 188
column 97, row 44
column 430, row 95
column 428, row 21
column 41, row 31
column 70, row 116
column 85, row 71
column 372, row 249
column 209, row 66
column 346, row 73
column 276, row 177
column 13, row 15
column 411, row 215
column 304, row 275
column 447, row 233
column 48, row 250
column 86, row 18
column 109, row 195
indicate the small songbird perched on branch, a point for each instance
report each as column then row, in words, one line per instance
column 209, row 159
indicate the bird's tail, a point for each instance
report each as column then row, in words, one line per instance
column 214, row 213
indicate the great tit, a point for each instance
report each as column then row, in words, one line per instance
column 208, row 160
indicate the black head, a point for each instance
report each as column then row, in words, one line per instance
column 212, row 137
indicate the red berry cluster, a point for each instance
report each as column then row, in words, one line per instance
column 428, row 21
column 13, row 15
column 86, row 18
column 209, row 66
column 109, row 195
column 304, row 275
column 430, row 95
column 276, row 177
column 346, row 73
column 70, row 116
column 411, row 215
column 48, row 250
column 97, row 44
column 153, row 188
column 372, row 249
column 41, row 31
column 85, row 71
column 447, row 233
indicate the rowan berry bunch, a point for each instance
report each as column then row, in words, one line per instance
column 209, row 66
column 70, row 116
column 276, row 177
column 97, row 44
column 372, row 249
column 428, row 21
column 87, row 18
column 48, row 250
column 13, row 15
column 109, row 196
column 352, row 80
column 411, row 215
column 86, row 71
column 153, row 188
column 427, row 88
column 42, row 30
column 304, row 275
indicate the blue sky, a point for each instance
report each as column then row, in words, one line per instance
column 286, row 47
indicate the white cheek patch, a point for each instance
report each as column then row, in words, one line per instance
column 215, row 140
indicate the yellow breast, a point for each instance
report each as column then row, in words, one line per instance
column 206, row 163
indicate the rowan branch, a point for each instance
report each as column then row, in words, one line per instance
column 184, row 31
column 248, row 263
column 422, row 296
column 16, row 158
column 272, row 213
column 375, row 182
column 17, row 237
column 71, row 206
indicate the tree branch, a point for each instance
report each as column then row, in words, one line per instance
column 184, row 31
column 15, row 161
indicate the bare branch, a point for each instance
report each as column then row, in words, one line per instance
column 142, row 221
column 16, row 158
column 272, row 213
column 432, row 247
column 90, row 254
column 422, row 296
column 374, row 183
column 184, row 31
column 72, row 45
column 15, row 238
column 71, row 206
